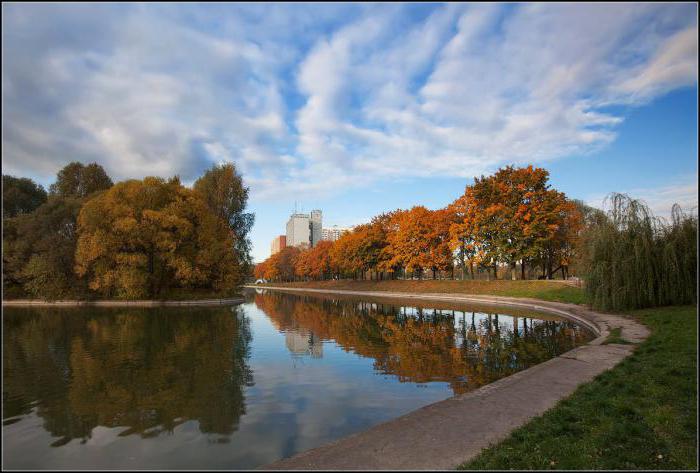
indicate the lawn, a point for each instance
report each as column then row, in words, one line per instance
column 642, row 414
column 558, row 291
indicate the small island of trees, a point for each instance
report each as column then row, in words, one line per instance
column 152, row 238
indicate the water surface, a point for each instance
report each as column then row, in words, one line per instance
column 238, row 387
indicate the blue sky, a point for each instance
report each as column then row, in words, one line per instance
column 357, row 108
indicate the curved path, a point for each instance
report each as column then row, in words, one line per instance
column 447, row 433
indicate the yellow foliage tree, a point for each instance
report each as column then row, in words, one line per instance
column 142, row 237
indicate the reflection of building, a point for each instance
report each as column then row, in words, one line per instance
column 334, row 232
column 302, row 343
column 278, row 243
column 304, row 228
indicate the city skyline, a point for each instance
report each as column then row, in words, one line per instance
column 357, row 109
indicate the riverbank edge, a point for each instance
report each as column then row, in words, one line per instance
column 118, row 303
column 445, row 434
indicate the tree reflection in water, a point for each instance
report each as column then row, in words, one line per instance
column 465, row 349
column 147, row 370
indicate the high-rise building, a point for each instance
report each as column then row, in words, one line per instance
column 278, row 243
column 298, row 230
column 316, row 222
column 304, row 228
column 334, row 232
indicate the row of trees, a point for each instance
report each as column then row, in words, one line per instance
column 88, row 237
column 509, row 218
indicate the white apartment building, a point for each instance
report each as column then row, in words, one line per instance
column 334, row 232
column 304, row 229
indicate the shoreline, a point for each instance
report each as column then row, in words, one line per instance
column 455, row 430
column 118, row 303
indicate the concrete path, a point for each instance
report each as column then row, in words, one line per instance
column 448, row 433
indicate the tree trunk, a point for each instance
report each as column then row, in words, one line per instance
column 512, row 271
column 495, row 271
column 522, row 269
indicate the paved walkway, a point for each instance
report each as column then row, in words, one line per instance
column 448, row 433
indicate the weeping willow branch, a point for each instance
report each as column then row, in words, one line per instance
column 633, row 259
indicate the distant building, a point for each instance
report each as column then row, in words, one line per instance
column 316, row 225
column 304, row 229
column 278, row 243
column 334, row 232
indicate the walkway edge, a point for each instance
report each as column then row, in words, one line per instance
column 445, row 434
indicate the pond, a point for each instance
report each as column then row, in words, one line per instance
column 238, row 387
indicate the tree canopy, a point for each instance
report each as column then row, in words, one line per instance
column 222, row 189
column 135, row 239
column 20, row 195
column 141, row 237
column 510, row 217
column 79, row 180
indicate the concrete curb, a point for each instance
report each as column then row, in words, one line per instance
column 447, row 433
column 147, row 303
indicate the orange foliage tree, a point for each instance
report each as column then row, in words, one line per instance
column 510, row 217
column 315, row 263
column 513, row 216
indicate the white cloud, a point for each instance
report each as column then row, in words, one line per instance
column 662, row 198
column 311, row 100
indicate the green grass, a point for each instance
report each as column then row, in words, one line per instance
column 642, row 414
column 556, row 291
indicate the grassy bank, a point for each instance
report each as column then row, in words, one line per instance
column 642, row 414
column 558, row 291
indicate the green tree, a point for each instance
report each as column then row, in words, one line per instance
column 20, row 195
column 79, row 180
column 38, row 250
column 222, row 188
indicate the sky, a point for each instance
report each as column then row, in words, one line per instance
column 357, row 108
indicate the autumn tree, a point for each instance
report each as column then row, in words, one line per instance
column 314, row 263
column 410, row 242
column 260, row 269
column 345, row 254
column 20, row 195
column 462, row 241
column 140, row 238
column 285, row 263
column 440, row 255
column 79, row 180
column 222, row 188
column 513, row 216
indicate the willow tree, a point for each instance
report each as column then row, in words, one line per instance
column 633, row 259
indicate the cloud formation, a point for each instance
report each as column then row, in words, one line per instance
column 311, row 99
